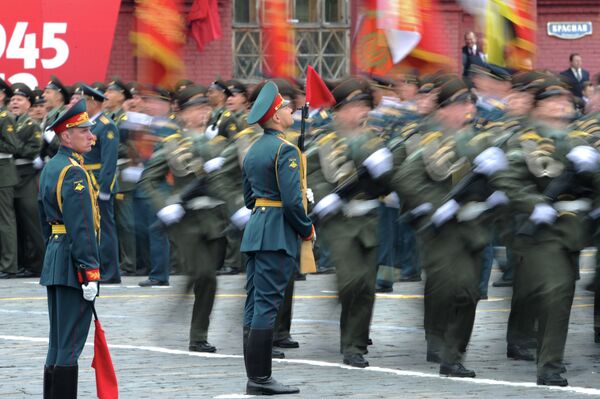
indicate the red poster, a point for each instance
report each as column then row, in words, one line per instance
column 71, row 39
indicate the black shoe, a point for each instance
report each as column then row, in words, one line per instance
column 300, row 277
column 123, row 273
column 4, row 275
column 275, row 354
column 369, row 341
column 410, row 279
column 326, row 270
column 456, row 370
column 26, row 273
column 483, row 297
column 111, row 281
column 202, row 346
column 384, row 290
column 227, row 271
column 434, row 357
column 519, row 353
column 286, row 343
column 502, row 283
column 268, row 386
column 554, row 379
column 150, row 282
column 356, row 360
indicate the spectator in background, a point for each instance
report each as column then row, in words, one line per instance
column 576, row 75
column 471, row 53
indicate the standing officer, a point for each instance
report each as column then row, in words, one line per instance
column 8, row 179
column 101, row 161
column 29, row 135
column 71, row 268
column 272, row 188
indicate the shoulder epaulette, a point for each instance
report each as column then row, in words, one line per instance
column 429, row 137
column 226, row 114
column 217, row 139
column 478, row 137
column 578, row 134
column 174, row 136
column 3, row 114
column 326, row 138
column 530, row 135
column 104, row 119
column 245, row 132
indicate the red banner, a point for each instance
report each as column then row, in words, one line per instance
column 278, row 40
column 67, row 38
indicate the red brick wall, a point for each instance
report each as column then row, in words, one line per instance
column 216, row 59
column 553, row 53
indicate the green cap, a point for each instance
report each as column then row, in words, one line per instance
column 266, row 104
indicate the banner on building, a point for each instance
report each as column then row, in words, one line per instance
column 71, row 39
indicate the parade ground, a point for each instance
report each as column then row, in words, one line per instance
column 147, row 331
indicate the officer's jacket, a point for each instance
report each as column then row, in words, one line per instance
column 9, row 146
column 102, row 159
column 29, row 135
column 272, row 188
column 68, row 201
column 49, row 149
column 535, row 160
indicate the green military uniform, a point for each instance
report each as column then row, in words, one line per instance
column 437, row 158
column 31, row 243
column 350, row 235
column 272, row 189
column 548, row 245
column 8, row 180
column 200, row 232
column 71, row 223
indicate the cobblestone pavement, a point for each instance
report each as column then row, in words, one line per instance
column 147, row 329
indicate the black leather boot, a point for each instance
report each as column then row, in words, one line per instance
column 48, row 374
column 258, row 365
column 64, row 382
column 245, row 333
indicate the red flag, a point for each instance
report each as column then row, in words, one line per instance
column 317, row 93
column 205, row 25
column 106, row 379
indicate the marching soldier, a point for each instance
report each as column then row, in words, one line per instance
column 8, row 179
column 37, row 112
column 351, row 234
column 217, row 97
column 436, row 159
column 29, row 135
column 551, row 182
column 101, row 162
column 272, row 189
column 197, row 222
column 71, row 268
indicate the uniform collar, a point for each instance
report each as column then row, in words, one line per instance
column 272, row 131
column 71, row 154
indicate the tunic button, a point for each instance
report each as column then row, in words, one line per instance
column 263, row 209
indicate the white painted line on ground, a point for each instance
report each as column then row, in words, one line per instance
column 318, row 363
column 233, row 396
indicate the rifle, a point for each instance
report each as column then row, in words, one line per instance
column 307, row 257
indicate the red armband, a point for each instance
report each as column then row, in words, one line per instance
column 312, row 234
column 87, row 275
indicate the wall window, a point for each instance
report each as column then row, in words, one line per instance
column 322, row 36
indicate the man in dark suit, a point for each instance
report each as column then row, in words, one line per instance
column 576, row 75
column 471, row 53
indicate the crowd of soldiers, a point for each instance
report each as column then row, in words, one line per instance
column 432, row 170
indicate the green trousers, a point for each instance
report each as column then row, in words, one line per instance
column 8, row 231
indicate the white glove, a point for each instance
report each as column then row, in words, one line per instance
column 490, row 161
column 211, row 132
column 171, row 214
column 214, row 164
column 103, row 196
column 392, row 200
column 310, row 196
column 132, row 174
column 543, row 213
column 329, row 204
column 497, row 198
column 90, row 290
column 445, row 213
column 240, row 217
column 584, row 158
column 421, row 210
column 379, row 162
column 49, row 135
column 38, row 163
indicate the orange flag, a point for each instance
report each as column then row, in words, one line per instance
column 278, row 40
column 159, row 38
